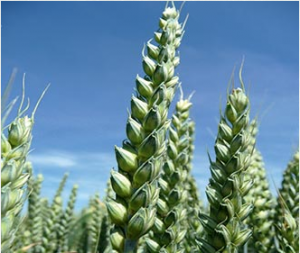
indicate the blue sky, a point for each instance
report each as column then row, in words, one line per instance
column 90, row 52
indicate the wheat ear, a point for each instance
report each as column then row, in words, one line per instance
column 261, row 218
column 140, row 158
column 194, row 201
column 168, row 232
column 14, row 151
column 66, row 221
column 287, row 210
column 227, row 187
column 34, row 211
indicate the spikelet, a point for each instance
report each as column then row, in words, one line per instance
column 140, row 158
column 224, row 224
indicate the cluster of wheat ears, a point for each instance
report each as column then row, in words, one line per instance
column 152, row 202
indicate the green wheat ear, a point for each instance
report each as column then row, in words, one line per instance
column 226, row 190
column 133, row 210
column 287, row 210
column 171, row 227
column 96, row 220
column 27, row 229
column 290, row 186
column 261, row 218
column 287, row 231
column 169, row 231
column 61, row 186
column 104, row 237
column 52, row 218
column 49, row 240
column 66, row 221
column 194, row 201
column 34, row 211
column 78, row 232
column 14, row 176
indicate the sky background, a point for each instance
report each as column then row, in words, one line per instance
column 90, row 52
